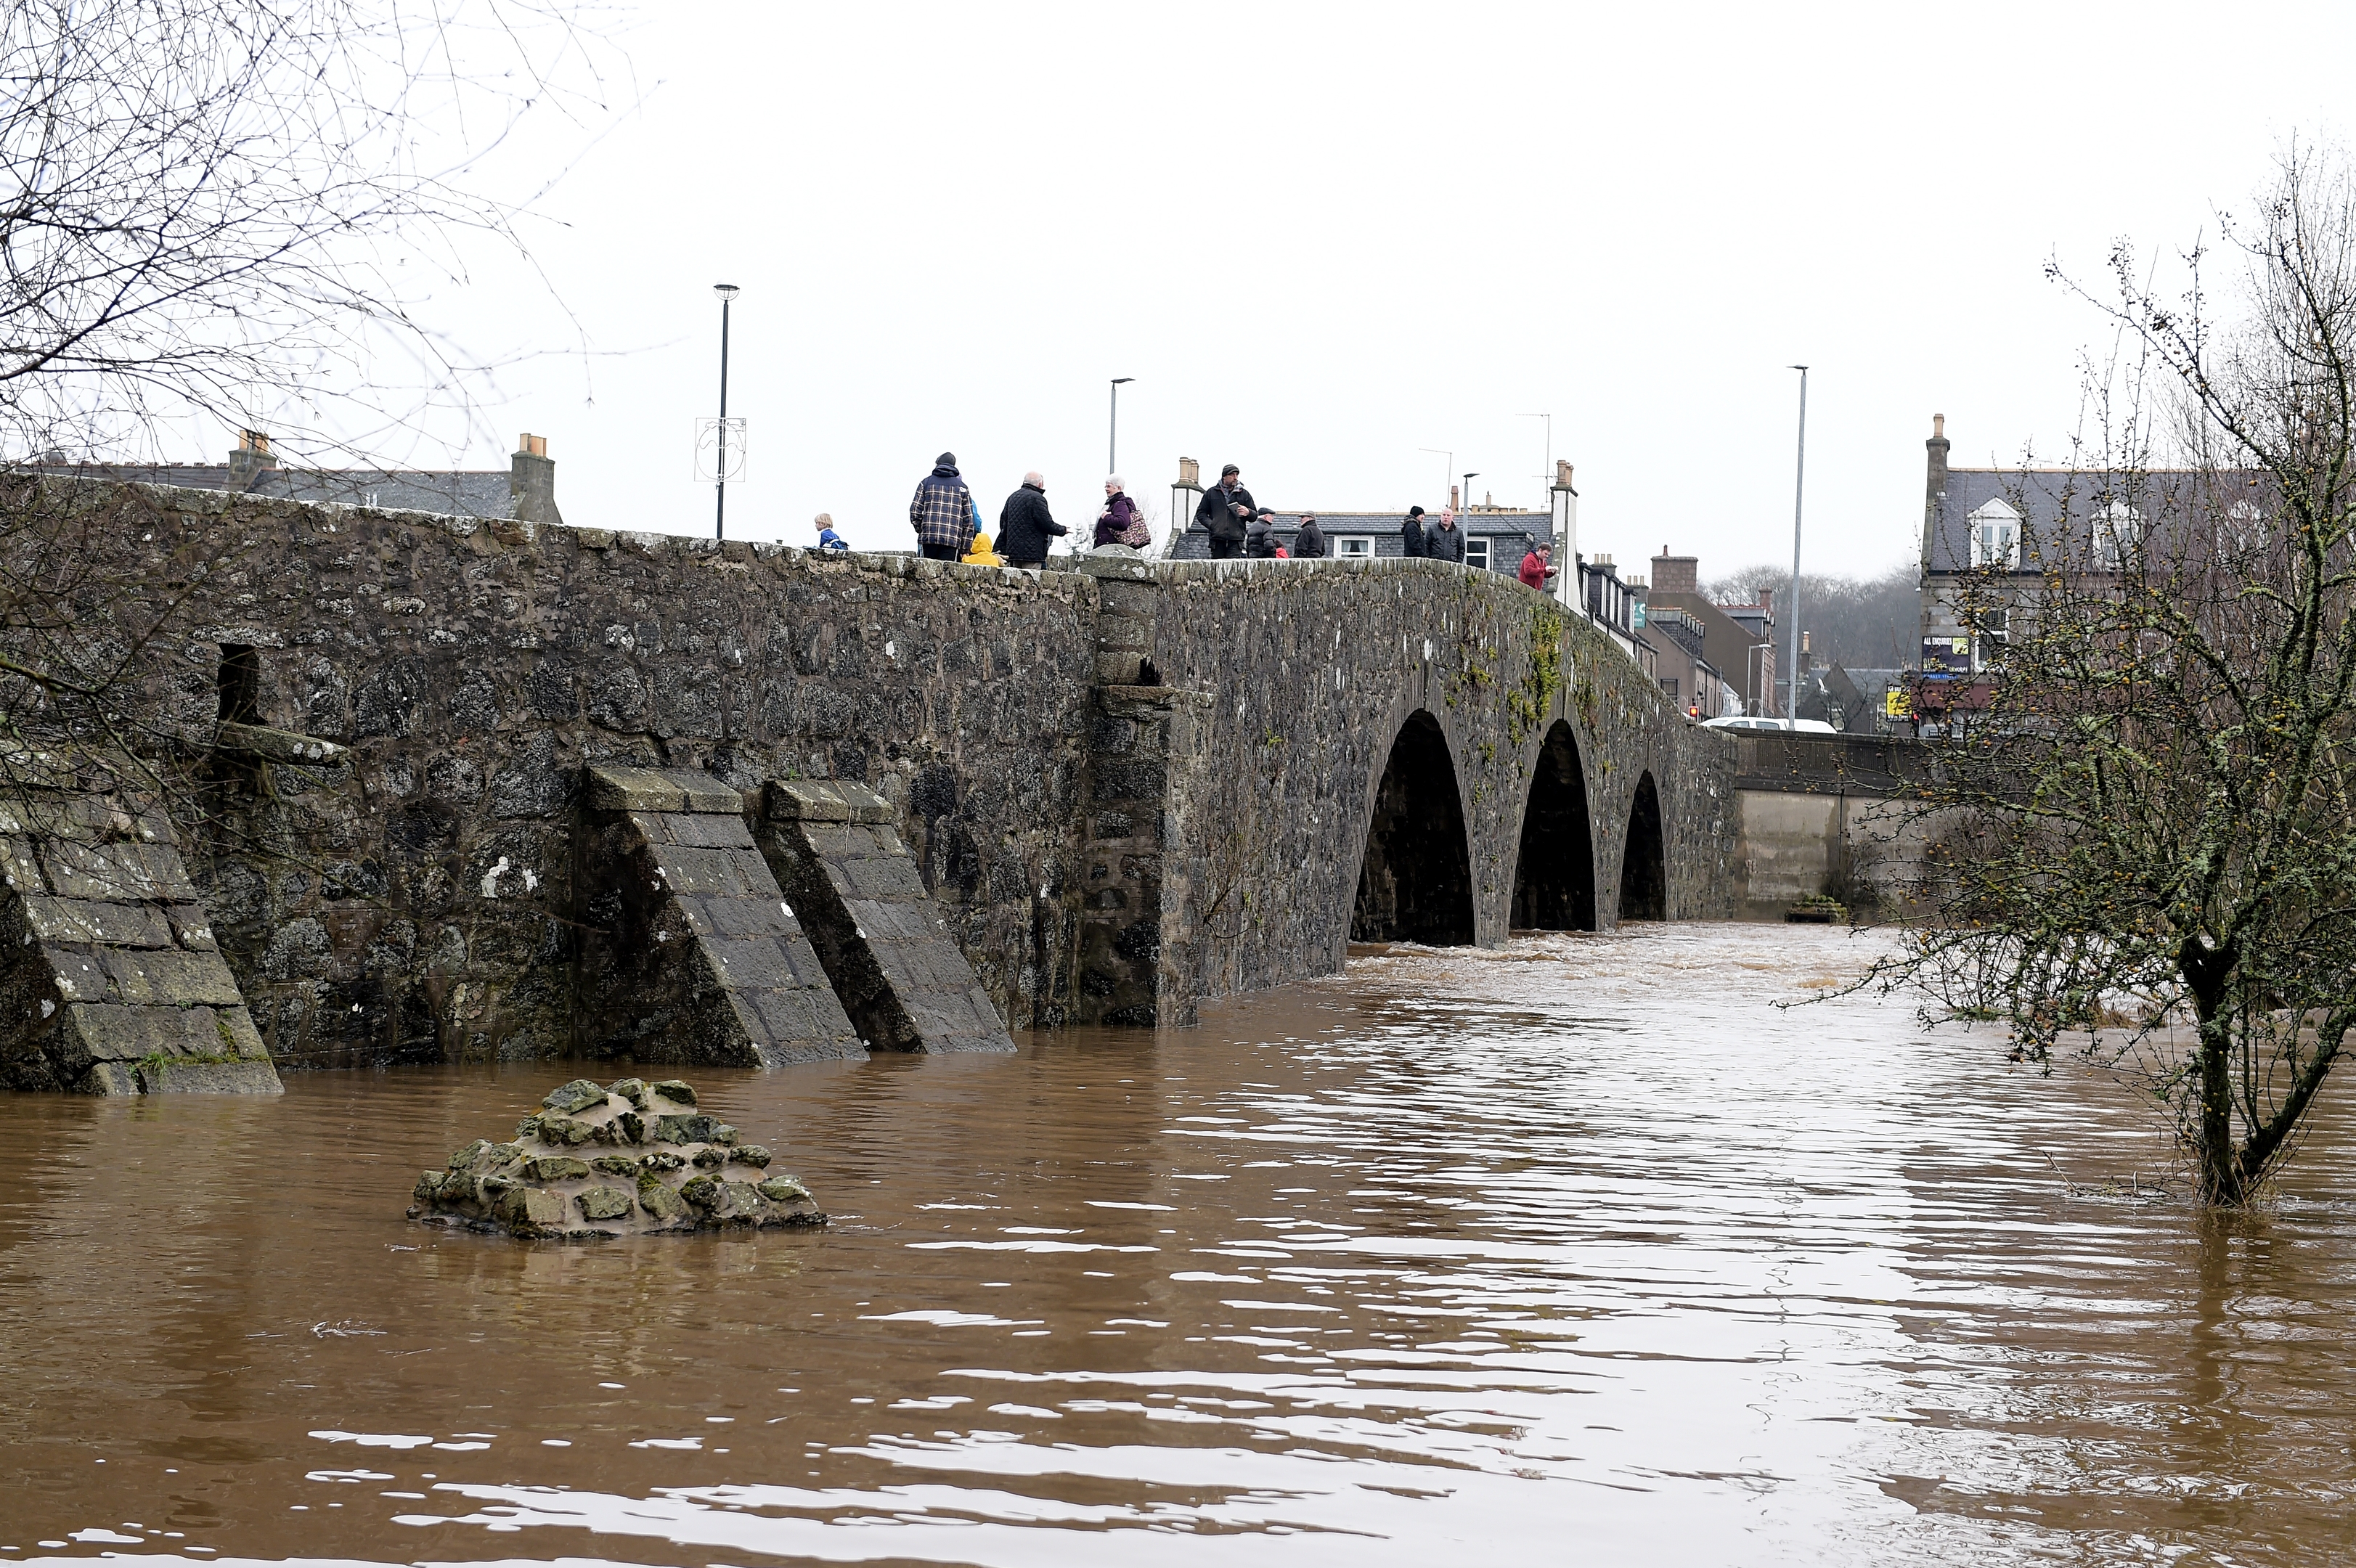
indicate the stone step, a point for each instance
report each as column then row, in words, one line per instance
column 835, row 851
column 690, row 953
column 110, row 980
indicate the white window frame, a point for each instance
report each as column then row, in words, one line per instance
column 1996, row 536
column 1477, row 553
column 2119, row 520
column 1353, row 546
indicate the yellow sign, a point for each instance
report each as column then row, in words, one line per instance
column 1894, row 703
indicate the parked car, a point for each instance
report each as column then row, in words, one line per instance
column 1748, row 721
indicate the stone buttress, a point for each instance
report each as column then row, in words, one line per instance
column 688, row 953
column 841, row 863
column 111, row 983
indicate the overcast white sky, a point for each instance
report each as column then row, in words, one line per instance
column 1325, row 237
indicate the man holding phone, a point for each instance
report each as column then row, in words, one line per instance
column 1226, row 511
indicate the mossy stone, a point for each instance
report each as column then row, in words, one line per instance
column 709, row 1158
column 724, row 1135
column 784, row 1190
column 577, row 1095
column 658, row 1201
column 554, row 1167
column 753, row 1155
column 634, row 1090
column 615, row 1165
column 662, row 1160
column 565, row 1130
column 633, row 1126
column 707, row 1193
column 603, row 1202
column 685, row 1130
column 464, row 1158
column 677, row 1093
column 429, row 1186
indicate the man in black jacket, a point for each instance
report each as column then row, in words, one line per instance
column 1024, row 524
column 1411, row 533
column 1309, row 544
column 1445, row 542
column 1227, row 510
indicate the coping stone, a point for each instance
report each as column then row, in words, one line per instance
column 614, row 788
column 819, row 800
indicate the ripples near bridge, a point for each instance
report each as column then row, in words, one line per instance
column 1578, row 1250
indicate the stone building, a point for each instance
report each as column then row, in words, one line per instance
column 524, row 491
column 1734, row 642
column 1495, row 537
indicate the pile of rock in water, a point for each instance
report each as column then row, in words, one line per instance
column 620, row 1160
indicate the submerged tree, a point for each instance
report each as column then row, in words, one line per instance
column 2152, row 846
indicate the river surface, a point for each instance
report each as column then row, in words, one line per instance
column 1577, row 1252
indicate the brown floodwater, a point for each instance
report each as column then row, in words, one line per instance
column 1578, row 1250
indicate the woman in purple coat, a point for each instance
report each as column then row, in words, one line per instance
column 1119, row 522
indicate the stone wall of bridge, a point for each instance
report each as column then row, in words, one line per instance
column 1125, row 787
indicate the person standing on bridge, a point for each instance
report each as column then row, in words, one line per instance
column 1445, row 542
column 942, row 512
column 1226, row 511
column 1024, row 524
column 1411, row 533
column 1309, row 544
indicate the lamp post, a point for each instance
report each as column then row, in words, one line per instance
column 727, row 293
column 1799, row 473
column 1468, row 488
column 1112, row 435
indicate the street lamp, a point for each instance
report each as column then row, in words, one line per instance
column 1468, row 488
column 1799, row 473
column 1112, row 435
column 727, row 293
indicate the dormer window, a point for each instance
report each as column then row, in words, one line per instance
column 2117, row 530
column 1995, row 537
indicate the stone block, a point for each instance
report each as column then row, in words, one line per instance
column 116, row 871
column 192, row 928
column 811, row 800
column 209, row 1078
column 111, row 1031
column 89, row 921
column 708, row 871
column 276, row 746
column 169, row 977
column 614, row 788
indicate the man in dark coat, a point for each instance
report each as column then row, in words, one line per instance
column 1309, row 544
column 1411, row 533
column 1446, row 542
column 1024, row 525
column 1226, row 511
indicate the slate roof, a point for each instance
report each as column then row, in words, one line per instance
column 460, row 492
column 2062, row 503
column 1512, row 534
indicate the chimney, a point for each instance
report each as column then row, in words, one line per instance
column 249, row 460
column 1189, row 475
column 1676, row 573
column 1934, row 482
column 1452, row 497
column 1767, row 603
column 532, row 482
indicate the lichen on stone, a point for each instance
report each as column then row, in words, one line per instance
column 669, row 1173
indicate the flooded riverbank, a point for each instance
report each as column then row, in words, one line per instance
column 1578, row 1251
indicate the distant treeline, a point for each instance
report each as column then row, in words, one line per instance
column 1857, row 623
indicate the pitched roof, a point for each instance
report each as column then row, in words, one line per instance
column 458, row 492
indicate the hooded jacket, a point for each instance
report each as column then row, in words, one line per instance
column 1024, row 527
column 1444, row 543
column 942, row 511
column 1216, row 511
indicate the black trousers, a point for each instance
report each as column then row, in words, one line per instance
column 1225, row 549
column 940, row 552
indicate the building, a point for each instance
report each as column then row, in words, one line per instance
column 524, row 490
column 1738, row 641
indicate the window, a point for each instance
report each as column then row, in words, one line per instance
column 1670, row 687
column 1477, row 554
column 2245, row 527
column 1996, row 536
column 1358, row 547
column 2117, row 530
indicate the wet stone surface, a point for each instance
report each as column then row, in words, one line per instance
column 617, row 1159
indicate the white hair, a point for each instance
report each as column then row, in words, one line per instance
column 1114, row 480
column 1035, row 477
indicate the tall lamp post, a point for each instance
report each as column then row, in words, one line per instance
column 1468, row 488
column 1112, row 435
column 727, row 293
column 1799, row 473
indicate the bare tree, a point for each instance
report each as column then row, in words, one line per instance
column 2152, row 845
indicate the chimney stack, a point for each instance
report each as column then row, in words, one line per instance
column 531, row 481
column 1452, row 497
column 1676, row 573
column 249, row 460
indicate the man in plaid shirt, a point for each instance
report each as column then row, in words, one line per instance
column 942, row 512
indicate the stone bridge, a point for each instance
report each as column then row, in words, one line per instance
column 442, row 785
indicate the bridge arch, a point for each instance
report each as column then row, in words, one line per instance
column 1554, row 873
column 1414, row 874
column 1643, row 858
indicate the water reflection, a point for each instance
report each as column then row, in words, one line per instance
column 1575, row 1250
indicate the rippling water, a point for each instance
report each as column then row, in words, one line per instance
column 1575, row 1252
